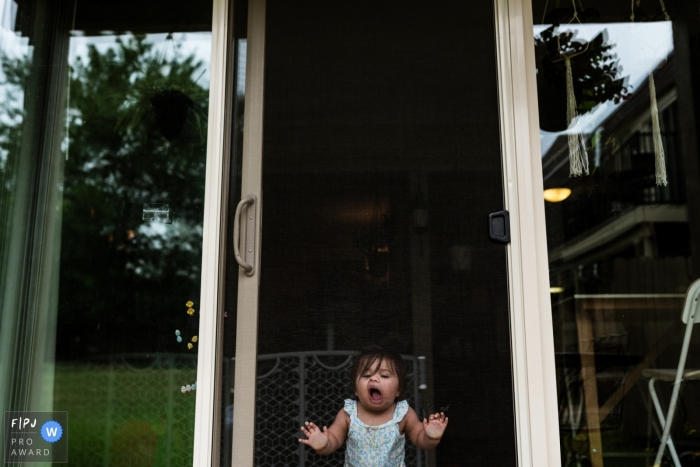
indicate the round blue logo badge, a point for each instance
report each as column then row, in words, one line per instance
column 51, row 431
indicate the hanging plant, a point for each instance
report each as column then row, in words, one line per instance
column 171, row 109
column 165, row 108
column 165, row 96
column 597, row 76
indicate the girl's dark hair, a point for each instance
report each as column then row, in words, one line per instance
column 367, row 357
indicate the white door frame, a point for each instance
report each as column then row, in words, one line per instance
column 532, row 338
column 206, row 426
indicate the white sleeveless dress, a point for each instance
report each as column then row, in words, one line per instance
column 375, row 446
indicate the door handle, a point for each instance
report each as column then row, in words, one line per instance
column 247, row 259
column 499, row 226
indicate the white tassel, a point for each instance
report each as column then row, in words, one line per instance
column 578, row 157
column 656, row 132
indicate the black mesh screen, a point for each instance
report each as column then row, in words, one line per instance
column 381, row 164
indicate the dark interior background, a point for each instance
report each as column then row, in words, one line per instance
column 373, row 111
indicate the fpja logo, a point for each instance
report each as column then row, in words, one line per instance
column 36, row 437
column 21, row 423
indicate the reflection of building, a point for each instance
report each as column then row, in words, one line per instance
column 621, row 217
column 621, row 255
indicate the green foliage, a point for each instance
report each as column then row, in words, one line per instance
column 14, row 78
column 124, row 281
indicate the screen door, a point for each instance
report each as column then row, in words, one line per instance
column 372, row 156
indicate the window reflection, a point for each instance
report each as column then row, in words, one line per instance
column 623, row 245
column 133, row 199
column 103, row 124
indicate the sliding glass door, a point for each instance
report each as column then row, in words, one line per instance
column 371, row 164
column 141, row 146
column 104, row 124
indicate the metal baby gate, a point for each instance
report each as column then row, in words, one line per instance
column 300, row 386
column 137, row 410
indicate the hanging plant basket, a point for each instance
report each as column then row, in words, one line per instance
column 598, row 75
column 162, row 110
column 171, row 109
column 164, row 97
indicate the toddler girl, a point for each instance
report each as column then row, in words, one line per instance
column 376, row 423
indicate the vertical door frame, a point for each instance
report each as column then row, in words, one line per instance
column 207, row 421
column 532, row 347
column 532, row 338
column 251, row 183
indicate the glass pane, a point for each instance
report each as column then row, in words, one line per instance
column 381, row 164
column 103, row 127
column 231, row 293
column 617, row 97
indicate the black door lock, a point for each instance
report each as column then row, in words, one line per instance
column 499, row 227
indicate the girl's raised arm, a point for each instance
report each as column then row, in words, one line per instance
column 326, row 441
column 425, row 434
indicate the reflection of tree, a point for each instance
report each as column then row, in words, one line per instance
column 597, row 74
column 123, row 280
column 14, row 78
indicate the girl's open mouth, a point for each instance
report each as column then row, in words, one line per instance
column 375, row 395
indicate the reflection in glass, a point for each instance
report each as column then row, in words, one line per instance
column 103, row 129
column 623, row 246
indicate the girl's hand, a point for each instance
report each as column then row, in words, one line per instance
column 435, row 426
column 317, row 438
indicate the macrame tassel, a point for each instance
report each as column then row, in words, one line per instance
column 632, row 15
column 663, row 8
column 578, row 157
column 656, row 132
